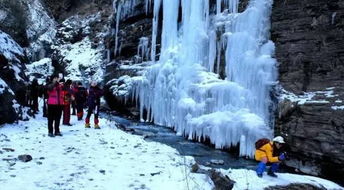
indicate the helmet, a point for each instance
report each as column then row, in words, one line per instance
column 278, row 139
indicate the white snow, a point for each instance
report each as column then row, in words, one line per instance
column 9, row 48
column 3, row 15
column 83, row 58
column 110, row 159
column 42, row 68
column 309, row 97
column 3, row 86
column 247, row 179
column 122, row 86
column 85, row 62
column 337, row 107
column 181, row 90
column 75, row 160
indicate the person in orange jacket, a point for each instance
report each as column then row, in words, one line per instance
column 264, row 155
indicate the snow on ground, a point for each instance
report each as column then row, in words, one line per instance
column 91, row 159
column 247, row 179
column 108, row 159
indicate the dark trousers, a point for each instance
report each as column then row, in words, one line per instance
column 45, row 110
column 89, row 113
column 66, row 114
column 54, row 117
column 73, row 107
column 34, row 104
column 80, row 110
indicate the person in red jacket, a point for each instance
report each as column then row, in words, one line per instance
column 68, row 97
column 55, row 106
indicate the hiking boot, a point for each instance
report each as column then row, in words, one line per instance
column 87, row 125
column 96, row 126
column 58, row 134
column 260, row 175
column 51, row 135
column 272, row 174
column 68, row 124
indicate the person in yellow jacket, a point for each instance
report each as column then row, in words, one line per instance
column 264, row 155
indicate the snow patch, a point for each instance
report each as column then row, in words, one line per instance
column 84, row 62
column 9, row 48
column 3, row 86
column 40, row 69
column 3, row 15
column 309, row 97
column 248, row 179
column 337, row 107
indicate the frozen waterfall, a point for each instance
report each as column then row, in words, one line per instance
column 183, row 90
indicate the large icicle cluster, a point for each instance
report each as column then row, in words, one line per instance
column 183, row 89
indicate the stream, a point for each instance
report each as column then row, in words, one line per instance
column 202, row 153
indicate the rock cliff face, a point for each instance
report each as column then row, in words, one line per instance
column 12, row 78
column 309, row 40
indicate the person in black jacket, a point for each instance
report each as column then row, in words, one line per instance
column 80, row 94
column 93, row 103
column 34, row 93
column 45, row 97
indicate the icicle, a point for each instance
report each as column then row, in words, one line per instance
column 169, row 29
column 118, row 16
column 148, row 5
column 218, row 58
column 233, row 6
column 218, row 6
column 212, row 50
column 156, row 10
column 181, row 91
column 142, row 48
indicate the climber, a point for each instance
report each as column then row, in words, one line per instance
column 93, row 103
column 80, row 94
column 34, row 94
column 68, row 97
column 264, row 154
column 55, row 105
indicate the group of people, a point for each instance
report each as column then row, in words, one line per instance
column 61, row 96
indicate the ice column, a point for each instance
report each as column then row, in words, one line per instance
column 181, row 89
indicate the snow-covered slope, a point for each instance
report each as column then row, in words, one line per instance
column 79, row 49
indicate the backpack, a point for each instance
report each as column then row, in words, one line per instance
column 261, row 142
